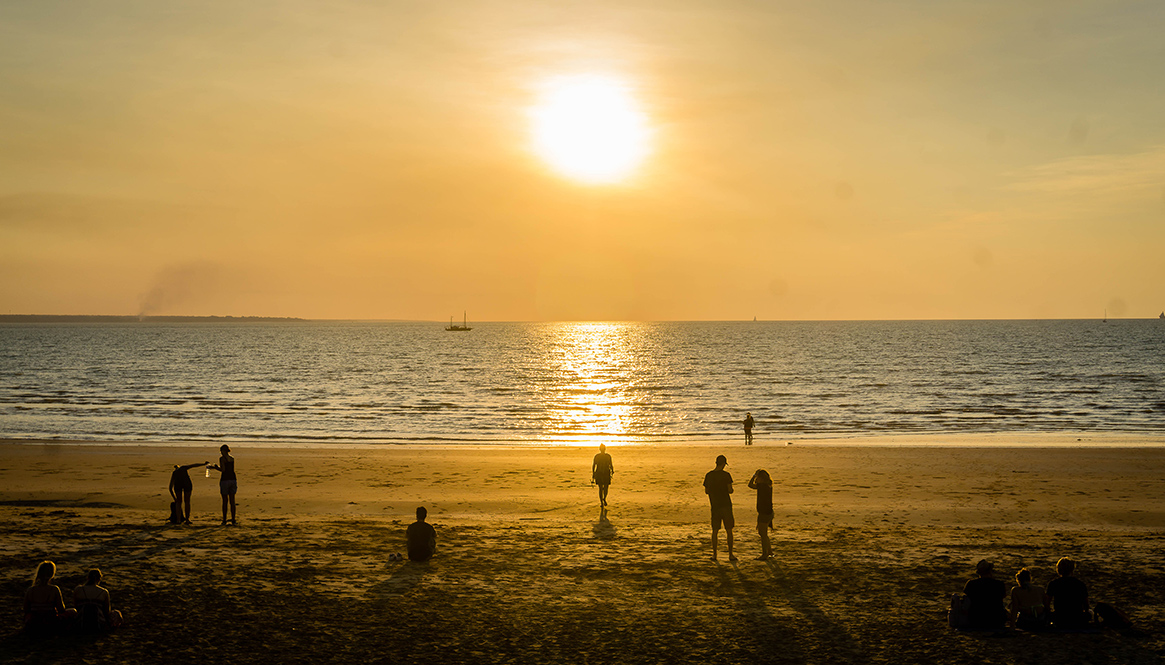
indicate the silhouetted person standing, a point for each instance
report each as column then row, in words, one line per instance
column 763, row 484
column 1068, row 598
column 986, row 595
column 718, row 487
column 421, row 538
column 228, row 484
column 181, row 487
column 601, row 471
column 748, row 423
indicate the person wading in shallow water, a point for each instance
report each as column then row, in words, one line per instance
column 748, row 423
column 601, row 471
column 228, row 484
column 718, row 487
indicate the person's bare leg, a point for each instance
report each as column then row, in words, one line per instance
column 728, row 535
column 186, row 504
column 224, row 509
column 765, row 549
column 232, row 495
column 715, row 537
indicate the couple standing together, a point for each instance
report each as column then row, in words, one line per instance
column 181, row 487
column 718, row 487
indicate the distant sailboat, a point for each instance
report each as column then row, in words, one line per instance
column 458, row 328
column 1105, row 319
column 1162, row 316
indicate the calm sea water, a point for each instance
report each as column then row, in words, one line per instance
column 543, row 382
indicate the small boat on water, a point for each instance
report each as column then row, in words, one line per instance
column 1162, row 315
column 458, row 328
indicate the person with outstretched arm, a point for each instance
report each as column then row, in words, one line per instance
column 181, row 487
column 228, row 484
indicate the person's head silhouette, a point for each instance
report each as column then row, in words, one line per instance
column 422, row 514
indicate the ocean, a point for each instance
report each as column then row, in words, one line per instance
column 538, row 383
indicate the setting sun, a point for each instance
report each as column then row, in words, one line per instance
column 590, row 128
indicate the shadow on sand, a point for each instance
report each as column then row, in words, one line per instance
column 603, row 529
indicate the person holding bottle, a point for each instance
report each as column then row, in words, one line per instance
column 228, row 484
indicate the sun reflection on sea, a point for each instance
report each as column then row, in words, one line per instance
column 595, row 362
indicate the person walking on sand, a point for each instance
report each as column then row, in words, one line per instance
column 748, row 423
column 763, row 484
column 718, row 487
column 228, row 484
column 181, row 487
column 601, row 471
column 421, row 538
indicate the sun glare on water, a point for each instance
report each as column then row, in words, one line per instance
column 590, row 128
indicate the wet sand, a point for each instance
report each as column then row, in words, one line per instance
column 869, row 543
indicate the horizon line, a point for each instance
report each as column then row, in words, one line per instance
column 128, row 318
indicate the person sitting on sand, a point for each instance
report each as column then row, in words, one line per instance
column 228, row 484
column 421, row 538
column 93, row 604
column 44, row 606
column 1029, row 603
column 1068, row 598
column 718, row 487
column 601, row 471
column 985, row 596
column 763, row 484
column 181, row 488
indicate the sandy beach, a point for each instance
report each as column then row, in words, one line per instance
column 869, row 540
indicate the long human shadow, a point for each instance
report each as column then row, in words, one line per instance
column 603, row 529
column 112, row 553
column 828, row 630
column 403, row 579
column 776, row 640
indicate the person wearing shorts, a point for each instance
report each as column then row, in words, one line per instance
column 718, row 487
column 228, row 484
column 601, row 471
column 763, row 484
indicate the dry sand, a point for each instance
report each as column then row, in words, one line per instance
column 870, row 541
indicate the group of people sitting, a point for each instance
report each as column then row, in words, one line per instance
column 45, row 611
column 1063, row 605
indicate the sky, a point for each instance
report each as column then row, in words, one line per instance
column 375, row 160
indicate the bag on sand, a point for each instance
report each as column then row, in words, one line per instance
column 175, row 513
column 1110, row 617
column 959, row 615
column 91, row 618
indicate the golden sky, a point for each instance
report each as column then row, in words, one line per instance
column 829, row 160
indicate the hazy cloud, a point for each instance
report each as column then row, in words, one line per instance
column 179, row 285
